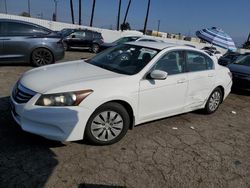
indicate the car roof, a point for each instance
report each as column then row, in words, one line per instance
column 24, row 22
column 155, row 45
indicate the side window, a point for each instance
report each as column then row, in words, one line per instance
column 21, row 29
column 78, row 34
column 89, row 35
column 198, row 62
column 172, row 63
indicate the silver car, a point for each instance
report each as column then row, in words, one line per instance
column 27, row 42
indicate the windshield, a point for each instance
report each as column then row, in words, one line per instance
column 124, row 59
column 243, row 60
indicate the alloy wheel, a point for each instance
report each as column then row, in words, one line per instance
column 214, row 101
column 41, row 57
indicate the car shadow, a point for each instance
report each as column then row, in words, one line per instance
column 98, row 186
column 16, row 64
column 79, row 50
column 240, row 92
column 26, row 160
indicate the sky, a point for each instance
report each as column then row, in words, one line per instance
column 176, row 16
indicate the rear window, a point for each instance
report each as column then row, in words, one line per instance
column 97, row 35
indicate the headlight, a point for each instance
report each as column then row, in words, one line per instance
column 63, row 99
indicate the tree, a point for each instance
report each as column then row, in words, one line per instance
column 125, row 26
column 25, row 14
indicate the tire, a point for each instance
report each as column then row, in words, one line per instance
column 66, row 46
column 107, row 125
column 41, row 56
column 95, row 48
column 213, row 101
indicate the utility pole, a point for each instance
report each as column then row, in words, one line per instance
column 118, row 16
column 5, row 7
column 158, row 27
column 29, row 7
column 92, row 14
column 125, row 18
column 146, row 19
column 80, row 12
column 72, row 12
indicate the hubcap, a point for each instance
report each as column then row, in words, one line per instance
column 107, row 125
column 214, row 101
column 42, row 57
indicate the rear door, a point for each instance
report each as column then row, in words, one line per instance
column 88, row 39
column 201, row 76
column 78, row 39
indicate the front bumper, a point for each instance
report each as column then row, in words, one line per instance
column 55, row 123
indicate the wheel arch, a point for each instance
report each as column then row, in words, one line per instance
column 129, row 109
column 222, row 90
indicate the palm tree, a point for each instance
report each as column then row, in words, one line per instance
column 72, row 11
column 118, row 16
column 92, row 14
column 146, row 19
column 126, row 14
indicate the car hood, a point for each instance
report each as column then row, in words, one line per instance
column 239, row 68
column 54, row 76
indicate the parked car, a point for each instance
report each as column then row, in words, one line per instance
column 240, row 69
column 228, row 58
column 124, row 86
column 27, row 42
column 82, row 38
column 212, row 50
column 128, row 39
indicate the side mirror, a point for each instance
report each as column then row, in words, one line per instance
column 73, row 36
column 158, row 75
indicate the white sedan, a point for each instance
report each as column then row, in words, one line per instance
column 101, row 98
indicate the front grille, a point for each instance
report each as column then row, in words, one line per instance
column 22, row 94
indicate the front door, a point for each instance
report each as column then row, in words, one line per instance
column 161, row 98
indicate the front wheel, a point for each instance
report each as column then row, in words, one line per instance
column 108, row 124
column 213, row 101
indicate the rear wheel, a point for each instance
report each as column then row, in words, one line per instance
column 213, row 101
column 42, row 56
column 108, row 124
column 95, row 48
column 66, row 46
